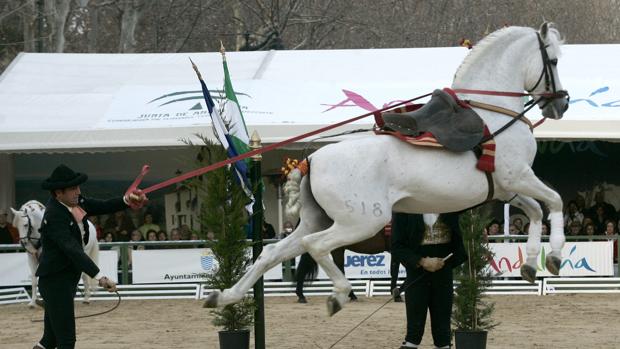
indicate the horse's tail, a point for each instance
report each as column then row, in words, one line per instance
column 293, row 192
column 307, row 268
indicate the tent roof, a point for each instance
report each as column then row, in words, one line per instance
column 102, row 102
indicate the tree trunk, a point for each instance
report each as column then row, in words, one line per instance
column 93, row 30
column 132, row 10
column 29, row 19
column 60, row 19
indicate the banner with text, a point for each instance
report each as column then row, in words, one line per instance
column 14, row 270
column 364, row 266
column 179, row 265
column 578, row 259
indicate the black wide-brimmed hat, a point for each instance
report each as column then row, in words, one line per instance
column 63, row 177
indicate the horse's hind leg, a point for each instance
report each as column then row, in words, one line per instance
column 320, row 244
column 534, row 213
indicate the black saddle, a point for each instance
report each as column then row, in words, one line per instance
column 454, row 127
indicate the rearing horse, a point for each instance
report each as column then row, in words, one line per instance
column 354, row 185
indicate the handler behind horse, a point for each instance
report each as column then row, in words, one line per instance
column 63, row 259
column 421, row 243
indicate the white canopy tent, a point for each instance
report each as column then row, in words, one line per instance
column 73, row 103
column 102, row 102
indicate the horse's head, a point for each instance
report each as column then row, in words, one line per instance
column 543, row 78
column 28, row 220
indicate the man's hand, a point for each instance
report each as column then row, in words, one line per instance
column 107, row 284
column 431, row 264
column 135, row 198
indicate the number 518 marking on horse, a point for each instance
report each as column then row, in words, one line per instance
column 373, row 208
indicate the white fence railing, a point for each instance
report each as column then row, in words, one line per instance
column 14, row 295
column 368, row 288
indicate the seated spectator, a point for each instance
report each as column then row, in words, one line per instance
column 194, row 236
column 8, row 233
column 151, row 235
column 574, row 229
column 546, row 228
column 589, row 230
column 95, row 221
column 287, row 228
column 599, row 218
column 136, row 236
column 108, row 237
column 512, row 230
column 610, row 229
column 268, row 232
column 175, row 234
column 609, row 211
column 148, row 224
column 121, row 225
column 162, row 236
column 493, row 228
column 518, row 220
column 185, row 232
column 210, row 235
column 573, row 213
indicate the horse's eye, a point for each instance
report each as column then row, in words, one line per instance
column 553, row 61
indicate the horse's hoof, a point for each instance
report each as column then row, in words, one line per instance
column 211, row 300
column 302, row 300
column 398, row 299
column 353, row 298
column 528, row 273
column 333, row 306
column 31, row 305
column 40, row 303
column 553, row 264
column 85, row 302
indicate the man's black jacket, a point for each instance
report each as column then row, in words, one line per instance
column 62, row 240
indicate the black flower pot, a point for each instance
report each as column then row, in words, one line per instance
column 237, row 339
column 470, row 339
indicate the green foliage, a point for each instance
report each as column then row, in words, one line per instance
column 471, row 311
column 223, row 212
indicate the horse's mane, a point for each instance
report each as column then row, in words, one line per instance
column 507, row 33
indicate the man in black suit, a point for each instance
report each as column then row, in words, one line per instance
column 429, row 246
column 63, row 259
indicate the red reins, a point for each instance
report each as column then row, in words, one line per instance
column 265, row 149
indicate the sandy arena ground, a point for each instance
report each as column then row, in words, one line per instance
column 579, row 321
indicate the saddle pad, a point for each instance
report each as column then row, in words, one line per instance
column 486, row 160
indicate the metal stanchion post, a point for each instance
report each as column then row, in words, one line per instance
column 257, row 238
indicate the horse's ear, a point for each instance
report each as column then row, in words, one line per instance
column 544, row 30
column 14, row 212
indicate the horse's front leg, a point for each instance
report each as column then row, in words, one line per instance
column 271, row 256
column 33, row 264
column 87, row 288
column 529, row 185
column 534, row 212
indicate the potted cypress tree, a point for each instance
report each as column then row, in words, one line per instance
column 472, row 314
column 223, row 212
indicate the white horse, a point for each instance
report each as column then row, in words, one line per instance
column 354, row 186
column 28, row 222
